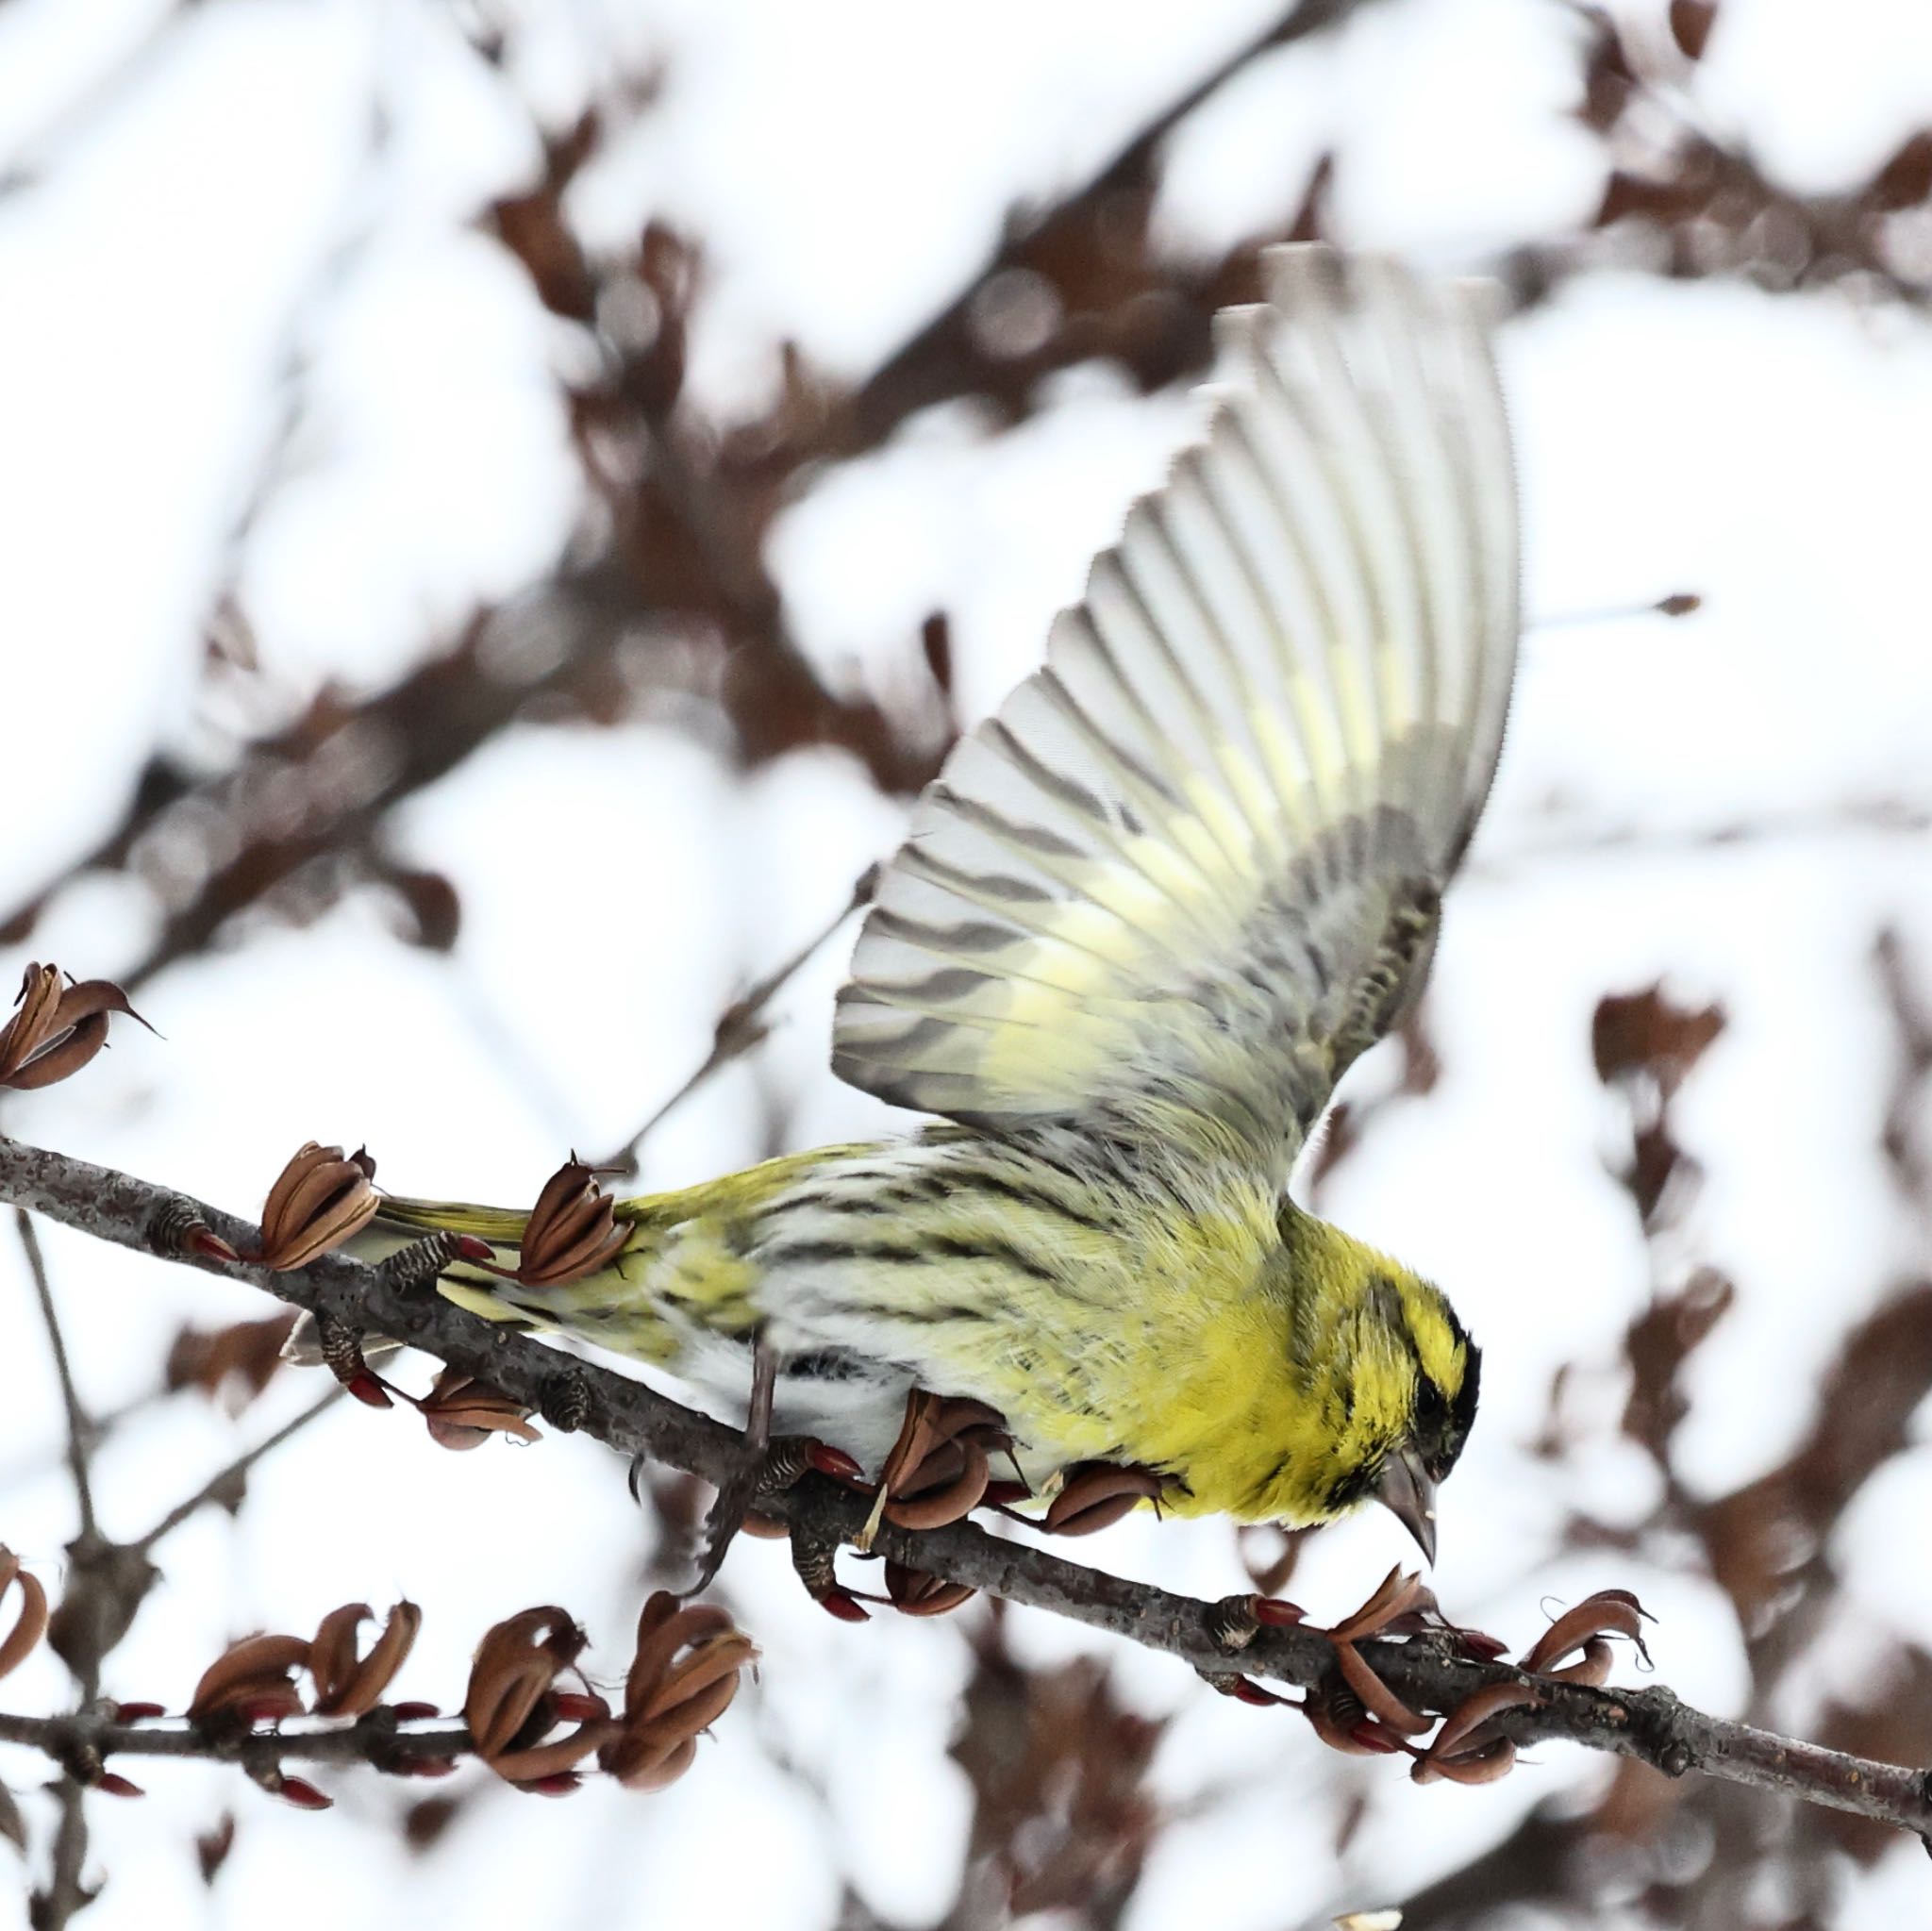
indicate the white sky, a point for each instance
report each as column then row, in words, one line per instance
column 274, row 185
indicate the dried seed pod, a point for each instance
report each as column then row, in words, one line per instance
column 914, row 1593
column 682, row 1680
column 54, row 1032
column 945, row 1487
column 464, row 1413
column 937, row 1471
column 573, row 1231
column 1399, row 1592
column 252, row 1681
column 1487, row 1765
column 32, row 1623
column 1097, row 1495
column 534, row 1764
column 516, row 1664
column 1375, row 1695
column 349, row 1685
column 1609, row 1612
column 320, row 1199
column 32, row 1023
column 1465, row 1748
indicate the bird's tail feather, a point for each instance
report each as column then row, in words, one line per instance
column 403, row 1221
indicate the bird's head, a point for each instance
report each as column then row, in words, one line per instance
column 1391, row 1373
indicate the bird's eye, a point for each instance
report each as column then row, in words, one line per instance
column 1431, row 1405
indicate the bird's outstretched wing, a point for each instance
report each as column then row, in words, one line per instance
column 1192, row 866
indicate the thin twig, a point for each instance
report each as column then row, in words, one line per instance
column 741, row 1027
column 375, row 1738
column 223, row 1482
column 65, row 1893
column 79, row 1426
column 1650, row 1724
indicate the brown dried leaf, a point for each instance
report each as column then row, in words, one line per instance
column 1642, row 1033
column 247, row 1353
column 1608, row 79
column 1691, row 25
column 33, row 1018
column 1375, row 1695
column 1460, row 1734
column 211, row 1847
column 1756, row 1536
column 539, row 1762
column 425, row 1823
column 1487, row 1765
column 1906, row 180
column 1657, row 1344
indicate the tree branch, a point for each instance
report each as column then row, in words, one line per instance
column 81, row 1425
column 221, row 1484
column 83, row 1741
column 1650, row 1725
column 65, row 1893
column 742, row 1025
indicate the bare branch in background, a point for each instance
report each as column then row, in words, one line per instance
column 741, row 1027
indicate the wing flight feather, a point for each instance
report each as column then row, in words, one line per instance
column 1192, row 866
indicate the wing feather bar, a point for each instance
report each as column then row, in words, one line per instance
column 1176, row 877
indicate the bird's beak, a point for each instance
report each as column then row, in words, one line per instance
column 1408, row 1495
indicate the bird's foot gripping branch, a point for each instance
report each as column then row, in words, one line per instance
column 1382, row 1680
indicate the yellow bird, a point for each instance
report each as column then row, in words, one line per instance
column 1144, row 919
